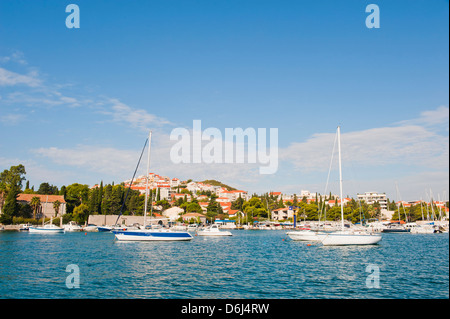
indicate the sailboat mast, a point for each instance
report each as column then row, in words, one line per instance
column 340, row 177
column 146, row 179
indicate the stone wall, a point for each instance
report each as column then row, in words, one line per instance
column 103, row 220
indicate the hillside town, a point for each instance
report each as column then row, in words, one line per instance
column 200, row 202
column 173, row 189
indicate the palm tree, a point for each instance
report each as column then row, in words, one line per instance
column 56, row 205
column 35, row 203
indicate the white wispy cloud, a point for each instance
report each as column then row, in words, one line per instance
column 104, row 160
column 9, row 78
column 16, row 56
column 438, row 117
column 11, row 118
column 405, row 144
column 141, row 119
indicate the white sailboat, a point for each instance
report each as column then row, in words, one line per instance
column 153, row 234
column 46, row 229
column 306, row 235
column 347, row 237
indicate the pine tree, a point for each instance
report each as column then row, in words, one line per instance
column 106, row 201
column 100, row 198
column 295, row 202
column 11, row 207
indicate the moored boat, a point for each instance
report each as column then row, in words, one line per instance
column 213, row 230
column 90, row 228
column 24, row 227
column 46, row 229
column 306, row 235
column 72, row 226
column 347, row 237
column 152, row 234
column 343, row 238
column 161, row 234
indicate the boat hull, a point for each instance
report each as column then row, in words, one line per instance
column 350, row 239
column 43, row 230
column 306, row 235
column 148, row 235
column 387, row 230
column 214, row 233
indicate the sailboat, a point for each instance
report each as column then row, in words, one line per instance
column 305, row 234
column 308, row 234
column 347, row 237
column 46, row 228
column 152, row 234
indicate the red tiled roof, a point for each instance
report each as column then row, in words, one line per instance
column 43, row 198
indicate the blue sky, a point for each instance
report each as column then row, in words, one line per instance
column 76, row 104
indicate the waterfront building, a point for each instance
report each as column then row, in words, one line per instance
column 232, row 195
column 223, row 200
column 233, row 213
column 332, row 202
column 166, row 191
column 173, row 213
column 277, row 195
column 194, row 217
column 282, row 214
column 177, row 196
column 203, row 205
column 372, row 197
column 46, row 208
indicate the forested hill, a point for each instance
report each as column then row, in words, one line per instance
column 217, row 183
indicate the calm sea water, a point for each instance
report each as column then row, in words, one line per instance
column 250, row 264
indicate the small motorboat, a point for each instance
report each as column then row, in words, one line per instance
column 213, row 230
column 24, row 227
column 72, row 226
column 90, row 227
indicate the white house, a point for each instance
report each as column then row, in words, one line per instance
column 282, row 213
column 173, row 213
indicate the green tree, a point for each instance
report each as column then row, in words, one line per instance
column 11, row 207
column 193, row 208
column 213, row 209
column 13, row 177
column 295, row 201
column 164, row 203
column 106, row 201
column 35, row 203
column 47, row 189
column 238, row 203
column 56, row 205
column 76, row 194
column 116, row 200
column 81, row 213
column 25, row 211
column 10, row 187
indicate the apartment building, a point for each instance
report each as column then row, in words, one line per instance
column 373, row 197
